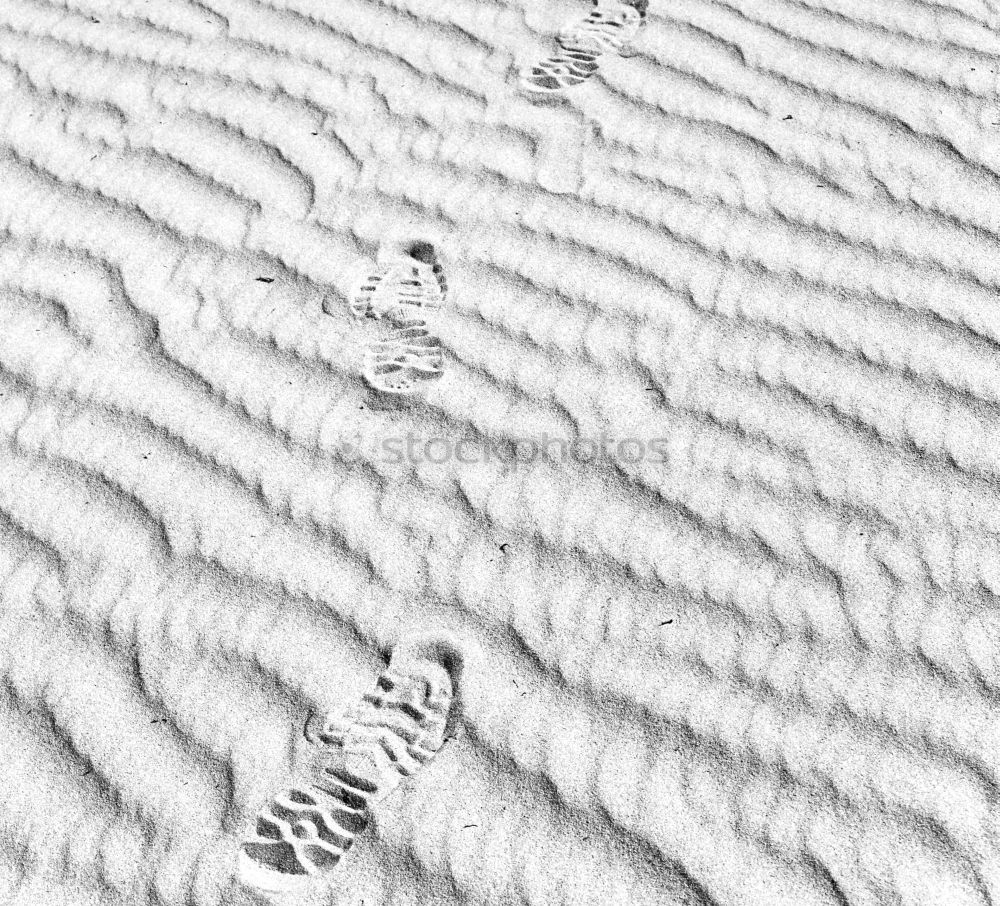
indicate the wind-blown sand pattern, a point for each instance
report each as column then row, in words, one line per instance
column 756, row 664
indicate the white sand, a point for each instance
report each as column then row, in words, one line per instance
column 758, row 669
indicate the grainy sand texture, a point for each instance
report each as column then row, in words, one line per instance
column 499, row 452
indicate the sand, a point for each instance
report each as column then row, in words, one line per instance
column 653, row 366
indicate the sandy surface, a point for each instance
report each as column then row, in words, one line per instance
column 746, row 655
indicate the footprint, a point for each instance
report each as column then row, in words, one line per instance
column 352, row 761
column 411, row 356
column 611, row 27
column 402, row 293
